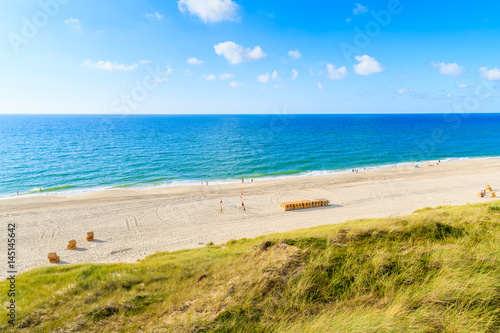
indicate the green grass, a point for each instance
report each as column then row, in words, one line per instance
column 437, row 270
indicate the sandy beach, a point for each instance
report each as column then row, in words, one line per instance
column 130, row 224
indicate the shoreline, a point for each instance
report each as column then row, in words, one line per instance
column 130, row 224
column 194, row 183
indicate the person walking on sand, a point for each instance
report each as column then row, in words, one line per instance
column 242, row 180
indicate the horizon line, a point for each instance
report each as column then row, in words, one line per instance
column 237, row 114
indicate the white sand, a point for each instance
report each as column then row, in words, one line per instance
column 133, row 223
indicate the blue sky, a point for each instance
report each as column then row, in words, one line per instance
column 237, row 56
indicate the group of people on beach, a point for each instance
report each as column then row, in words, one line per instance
column 242, row 180
column 242, row 206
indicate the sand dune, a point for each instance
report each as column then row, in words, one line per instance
column 133, row 223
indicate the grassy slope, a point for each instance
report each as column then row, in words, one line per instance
column 436, row 270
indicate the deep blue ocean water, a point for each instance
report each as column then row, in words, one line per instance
column 87, row 152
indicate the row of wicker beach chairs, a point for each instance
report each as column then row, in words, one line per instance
column 291, row 205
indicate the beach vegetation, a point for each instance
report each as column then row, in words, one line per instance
column 435, row 271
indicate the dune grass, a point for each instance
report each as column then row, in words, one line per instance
column 437, row 270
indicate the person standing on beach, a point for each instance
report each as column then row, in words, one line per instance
column 242, row 180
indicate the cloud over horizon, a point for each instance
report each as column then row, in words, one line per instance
column 236, row 53
column 452, row 69
column 73, row 23
column 153, row 16
column 367, row 65
column 336, row 74
column 108, row 65
column 263, row 78
column 211, row 11
column 194, row 61
column 489, row 74
column 209, row 77
column 294, row 54
column 359, row 9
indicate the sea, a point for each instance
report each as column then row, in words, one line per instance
column 49, row 154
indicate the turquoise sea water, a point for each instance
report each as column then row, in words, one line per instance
column 91, row 152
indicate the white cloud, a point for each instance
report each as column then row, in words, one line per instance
column 231, row 51
column 108, row 65
column 153, row 16
column 236, row 53
column 235, row 84
column 73, row 23
column 211, row 10
column 295, row 74
column 294, row 54
column 348, row 20
column 256, row 53
column 449, row 69
column 461, row 85
column 279, row 86
column 225, row 76
column 489, row 74
column 275, row 76
column 320, row 86
column 264, row 78
column 367, row 65
column 404, row 91
column 359, row 9
column 209, row 77
column 169, row 70
column 145, row 62
column 194, row 61
column 336, row 74
column 161, row 77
